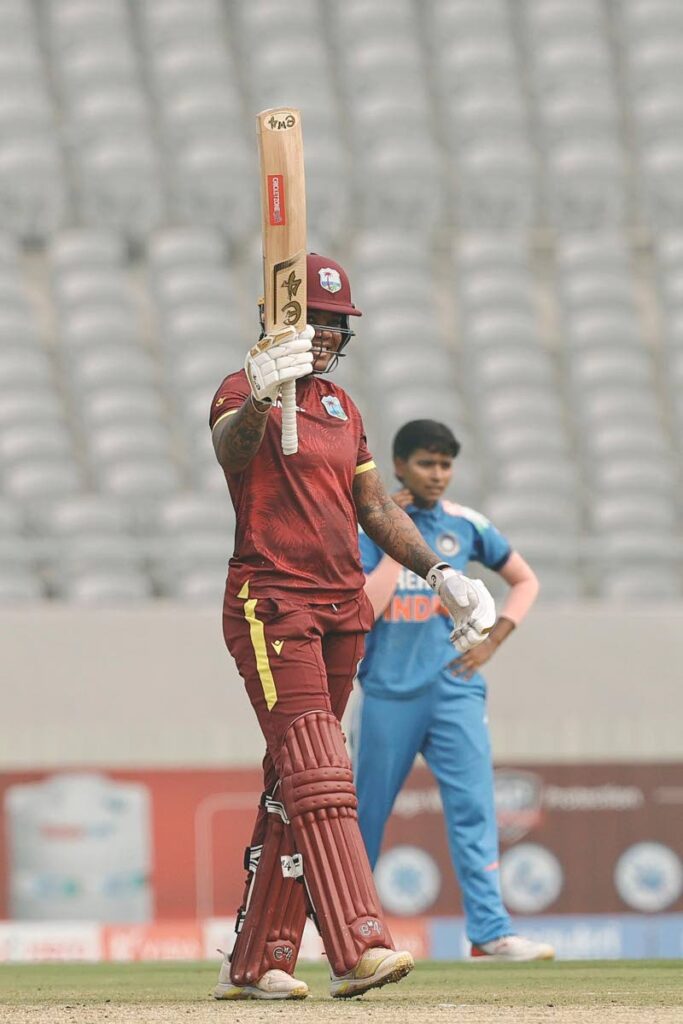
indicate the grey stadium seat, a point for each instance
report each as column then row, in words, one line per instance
column 95, row 326
column 603, row 326
column 108, row 587
column 496, row 185
column 122, row 404
column 201, row 285
column 19, row 586
column 212, row 186
column 84, row 248
column 636, row 583
column 526, row 511
column 24, row 366
column 142, row 480
column 120, row 442
column 113, row 365
column 34, row 440
column 37, row 404
column 82, row 286
column 41, row 480
column 185, row 247
column 85, row 515
column 513, row 366
column 636, row 474
column 537, row 474
column 120, row 185
column 33, row 199
column 633, row 512
column 585, row 183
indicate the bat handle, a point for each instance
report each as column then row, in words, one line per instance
column 290, row 439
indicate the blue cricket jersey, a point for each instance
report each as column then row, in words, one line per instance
column 409, row 644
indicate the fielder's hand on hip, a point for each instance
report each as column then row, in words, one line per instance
column 467, row 601
column 277, row 358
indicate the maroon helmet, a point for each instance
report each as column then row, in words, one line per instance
column 328, row 286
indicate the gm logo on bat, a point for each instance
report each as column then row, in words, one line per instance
column 281, row 121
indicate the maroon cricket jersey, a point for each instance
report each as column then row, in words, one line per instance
column 297, row 529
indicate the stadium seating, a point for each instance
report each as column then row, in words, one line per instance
column 503, row 181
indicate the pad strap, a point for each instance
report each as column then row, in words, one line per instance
column 320, row 800
column 270, row 922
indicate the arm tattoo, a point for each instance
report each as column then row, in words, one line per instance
column 389, row 526
column 238, row 437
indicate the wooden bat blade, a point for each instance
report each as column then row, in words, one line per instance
column 283, row 228
column 283, row 217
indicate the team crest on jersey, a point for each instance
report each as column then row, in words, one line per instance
column 447, row 544
column 333, row 407
column 330, row 279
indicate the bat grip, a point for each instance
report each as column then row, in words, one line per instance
column 290, row 439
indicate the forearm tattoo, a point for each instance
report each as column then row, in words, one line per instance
column 389, row 526
column 240, row 437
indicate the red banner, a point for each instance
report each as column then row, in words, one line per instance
column 134, row 847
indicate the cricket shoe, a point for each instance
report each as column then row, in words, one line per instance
column 375, row 968
column 511, row 949
column 272, row 985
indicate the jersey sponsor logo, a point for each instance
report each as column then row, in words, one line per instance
column 413, row 608
column 277, row 645
column 333, row 407
column 447, row 544
column 330, row 279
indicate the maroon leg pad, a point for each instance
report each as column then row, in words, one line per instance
column 320, row 800
column 272, row 918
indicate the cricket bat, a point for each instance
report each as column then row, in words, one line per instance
column 283, row 229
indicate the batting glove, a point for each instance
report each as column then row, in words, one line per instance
column 277, row 358
column 467, row 601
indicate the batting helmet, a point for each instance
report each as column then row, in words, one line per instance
column 328, row 286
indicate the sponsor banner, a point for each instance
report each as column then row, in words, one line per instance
column 574, row 839
column 135, row 847
column 577, row 937
column 166, row 940
column 50, row 940
column 574, row 936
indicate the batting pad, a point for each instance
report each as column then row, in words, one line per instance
column 270, row 924
column 317, row 790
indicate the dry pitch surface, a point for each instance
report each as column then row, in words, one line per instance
column 594, row 992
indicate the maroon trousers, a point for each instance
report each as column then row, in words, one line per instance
column 294, row 659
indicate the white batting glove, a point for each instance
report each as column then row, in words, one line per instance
column 277, row 358
column 467, row 601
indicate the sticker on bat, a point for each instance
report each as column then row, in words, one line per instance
column 276, row 200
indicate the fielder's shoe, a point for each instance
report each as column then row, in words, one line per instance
column 375, row 968
column 272, row 985
column 510, row 949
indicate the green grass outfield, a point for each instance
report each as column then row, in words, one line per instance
column 595, row 983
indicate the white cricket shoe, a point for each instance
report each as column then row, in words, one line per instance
column 272, row 985
column 511, row 949
column 375, row 968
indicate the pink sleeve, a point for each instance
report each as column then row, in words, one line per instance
column 381, row 584
column 524, row 587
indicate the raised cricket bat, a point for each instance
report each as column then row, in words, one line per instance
column 283, row 225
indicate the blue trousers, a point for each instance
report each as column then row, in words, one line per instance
column 447, row 724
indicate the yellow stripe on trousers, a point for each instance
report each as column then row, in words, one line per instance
column 258, row 642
